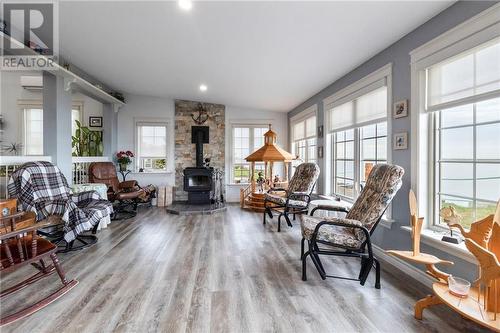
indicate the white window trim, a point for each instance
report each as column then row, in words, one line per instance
column 475, row 31
column 354, row 90
column 229, row 134
column 168, row 123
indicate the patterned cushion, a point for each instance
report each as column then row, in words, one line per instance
column 282, row 201
column 382, row 185
column 304, row 178
column 336, row 235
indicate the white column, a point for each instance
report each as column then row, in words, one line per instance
column 57, row 104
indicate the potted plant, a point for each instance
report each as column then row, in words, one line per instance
column 124, row 158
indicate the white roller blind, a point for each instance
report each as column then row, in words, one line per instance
column 298, row 130
column 372, row 106
column 342, row 116
column 466, row 78
column 368, row 108
column 311, row 126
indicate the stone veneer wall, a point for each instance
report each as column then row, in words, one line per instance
column 185, row 151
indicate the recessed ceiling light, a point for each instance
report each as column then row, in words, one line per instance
column 185, row 4
column 203, row 87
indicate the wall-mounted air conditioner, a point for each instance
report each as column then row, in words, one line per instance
column 32, row 83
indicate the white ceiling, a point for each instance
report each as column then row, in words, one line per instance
column 261, row 55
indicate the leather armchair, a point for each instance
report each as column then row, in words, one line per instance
column 125, row 193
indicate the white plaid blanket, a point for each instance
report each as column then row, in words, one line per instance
column 41, row 187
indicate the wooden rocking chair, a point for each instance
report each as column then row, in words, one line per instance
column 20, row 245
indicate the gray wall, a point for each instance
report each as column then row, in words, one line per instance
column 398, row 54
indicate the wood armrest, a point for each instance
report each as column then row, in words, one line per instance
column 29, row 227
column 127, row 184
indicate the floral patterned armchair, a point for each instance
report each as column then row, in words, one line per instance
column 296, row 198
column 352, row 234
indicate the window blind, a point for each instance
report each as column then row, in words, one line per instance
column 469, row 77
column 364, row 109
column 305, row 128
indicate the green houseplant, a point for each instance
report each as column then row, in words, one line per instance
column 86, row 142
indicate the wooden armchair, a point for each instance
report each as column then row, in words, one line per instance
column 20, row 245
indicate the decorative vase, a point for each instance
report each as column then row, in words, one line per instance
column 123, row 166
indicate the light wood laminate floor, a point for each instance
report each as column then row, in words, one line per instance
column 218, row 273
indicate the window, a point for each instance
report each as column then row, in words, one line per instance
column 246, row 140
column 356, row 133
column 304, row 139
column 33, row 131
column 467, row 167
column 151, row 147
column 463, row 103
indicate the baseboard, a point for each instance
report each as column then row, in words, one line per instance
column 403, row 266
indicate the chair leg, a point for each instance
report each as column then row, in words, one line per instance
column 279, row 222
column 287, row 218
column 264, row 216
column 377, row 273
column 320, row 264
column 366, row 271
column 59, row 269
column 316, row 261
column 302, row 247
column 304, row 273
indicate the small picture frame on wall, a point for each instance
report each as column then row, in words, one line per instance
column 320, row 131
column 400, row 109
column 95, row 121
column 400, row 141
column 320, row 151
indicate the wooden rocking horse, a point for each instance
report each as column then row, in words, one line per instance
column 20, row 245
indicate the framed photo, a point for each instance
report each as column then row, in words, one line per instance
column 400, row 141
column 320, row 151
column 320, row 131
column 95, row 121
column 400, row 109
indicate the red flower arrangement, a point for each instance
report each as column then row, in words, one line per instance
column 124, row 157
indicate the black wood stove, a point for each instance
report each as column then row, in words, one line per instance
column 198, row 181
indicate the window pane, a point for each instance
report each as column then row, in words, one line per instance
column 349, row 169
column 368, row 131
column 340, row 150
column 368, row 149
column 339, row 171
column 349, row 150
column 488, row 141
column 457, row 179
column 464, row 207
column 382, row 149
column 349, row 135
column 488, row 181
column 382, row 129
column 484, row 209
column 488, row 111
column 457, row 143
column 349, row 188
column 462, row 115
